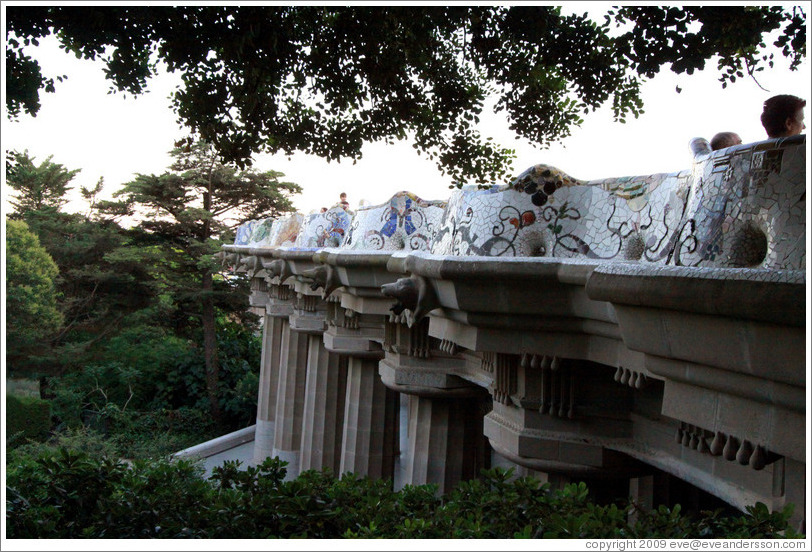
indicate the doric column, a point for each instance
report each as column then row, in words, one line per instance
column 307, row 324
column 370, row 422
column 277, row 309
column 290, row 398
column 445, row 441
column 325, row 393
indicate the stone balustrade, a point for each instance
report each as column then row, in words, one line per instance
column 622, row 330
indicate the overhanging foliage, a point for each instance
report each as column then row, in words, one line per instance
column 326, row 80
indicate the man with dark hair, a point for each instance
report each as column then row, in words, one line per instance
column 724, row 140
column 783, row 116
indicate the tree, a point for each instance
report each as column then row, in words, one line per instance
column 185, row 212
column 39, row 187
column 32, row 316
column 326, row 80
column 101, row 279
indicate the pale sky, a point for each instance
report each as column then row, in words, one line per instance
column 115, row 137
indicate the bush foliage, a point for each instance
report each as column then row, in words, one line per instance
column 27, row 418
column 67, row 493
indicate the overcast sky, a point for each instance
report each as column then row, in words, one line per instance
column 113, row 136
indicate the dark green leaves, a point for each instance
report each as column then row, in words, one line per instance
column 326, row 80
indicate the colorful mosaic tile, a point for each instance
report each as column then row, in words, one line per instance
column 743, row 206
column 545, row 212
column 739, row 207
column 244, row 232
column 326, row 229
column 261, row 233
column 403, row 222
column 747, row 208
column 489, row 222
column 285, row 230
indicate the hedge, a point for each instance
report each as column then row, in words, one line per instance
column 62, row 493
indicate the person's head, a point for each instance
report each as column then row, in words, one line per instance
column 783, row 115
column 343, row 196
column 724, row 140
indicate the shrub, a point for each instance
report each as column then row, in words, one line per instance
column 27, row 418
column 67, row 493
column 157, row 433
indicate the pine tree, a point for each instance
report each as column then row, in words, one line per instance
column 186, row 212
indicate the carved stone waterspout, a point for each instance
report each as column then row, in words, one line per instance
column 323, row 276
column 277, row 267
column 413, row 293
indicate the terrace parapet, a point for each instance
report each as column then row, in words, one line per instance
column 616, row 326
column 591, row 289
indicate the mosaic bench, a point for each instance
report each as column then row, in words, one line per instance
column 546, row 213
column 269, row 232
column 403, row 222
column 746, row 207
column 743, row 206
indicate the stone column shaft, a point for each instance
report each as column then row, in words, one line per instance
column 268, row 382
column 446, row 444
column 370, row 422
column 290, row 398
column 325, row 393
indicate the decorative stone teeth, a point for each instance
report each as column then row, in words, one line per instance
column 759, row 458
column 448, row 346
column 686, row 437
column 624, row 378
column 557, row 396
column 350, row 320
column 307, row 303
column 488, row 362
column 718, row 443
column 283, row 293
column 419, row 340
column 398, row 318
column 744, row 453
column 501, row 397
column 731, row 448
column 631, row 378
column 259, row 284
